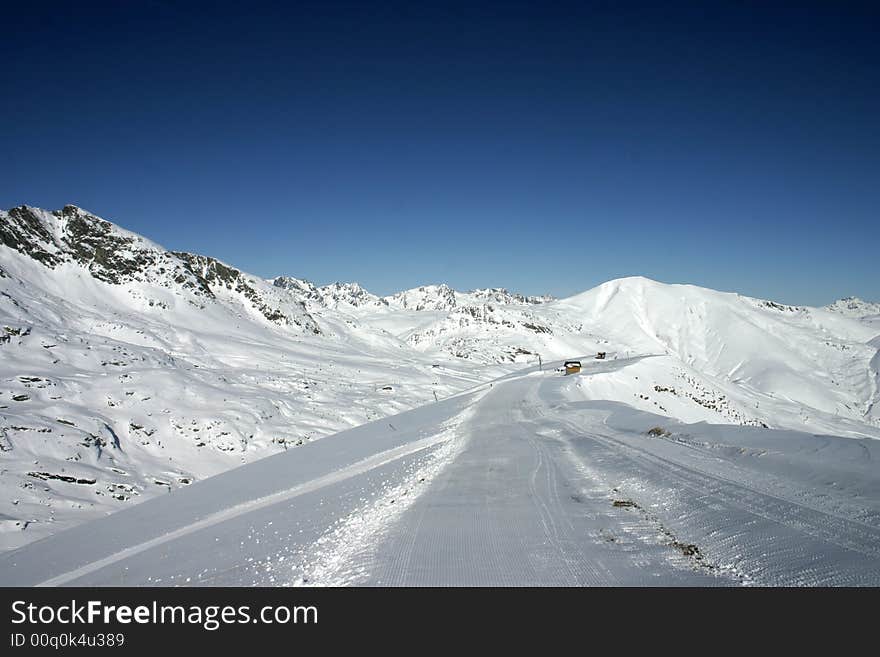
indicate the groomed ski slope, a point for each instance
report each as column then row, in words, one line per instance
column 524, row 481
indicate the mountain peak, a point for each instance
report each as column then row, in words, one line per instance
column 442, row 297
column 425, row 297
column 112, row 255
column 75, row 235
column 854, row 307
column 336, row 294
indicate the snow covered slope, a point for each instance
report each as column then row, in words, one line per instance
column 443, row 297
column 718, row 357
column 744, row 358
column 127, row 370
column 854, row 307
column 335, row 295
column 519, row 482
column 865, row 311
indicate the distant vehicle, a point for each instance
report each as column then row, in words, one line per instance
column 601, row 355
column 572, row 366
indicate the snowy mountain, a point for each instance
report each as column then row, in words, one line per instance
column 500, row 296
column 771, row 363
column 443, row 297
column 334, row 295
column 127, row 370
column 865, row 311
column 73, row 243
column 854, row 307
column 716, row 357
column 427, row 297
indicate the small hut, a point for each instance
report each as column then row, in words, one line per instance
column 601, row 355
column 572, row 366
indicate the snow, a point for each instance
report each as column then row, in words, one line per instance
column 522, row 482
column 163, row 405
column 189, row 386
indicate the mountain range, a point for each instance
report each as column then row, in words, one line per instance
column 128, row 370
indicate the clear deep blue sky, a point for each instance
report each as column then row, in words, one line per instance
column 544, row 147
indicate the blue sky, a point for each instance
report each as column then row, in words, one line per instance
column 543, row 147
